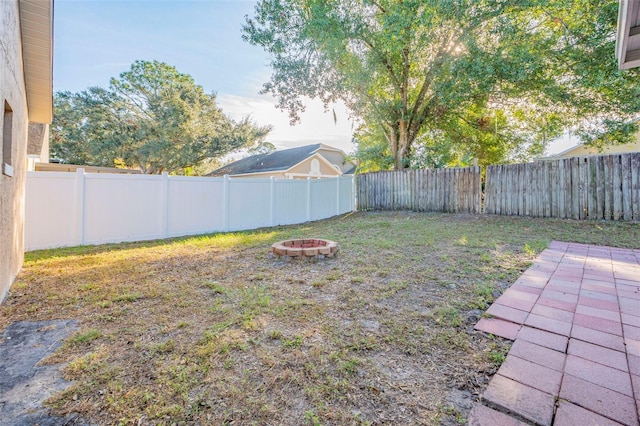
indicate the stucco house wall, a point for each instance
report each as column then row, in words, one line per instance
column 13, row 93
column 583, row 151
column 304, row 168
column 25, row 95
column 337, row 157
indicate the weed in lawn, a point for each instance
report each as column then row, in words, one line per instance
column 333, row 276
column 292, row 342
column 484, row 296
column 81, row 364
column 127, row 297
column 88, row 286
column 318, row 283
column 312, row 418
column 497, row 354
column 391, row 289
column 534, row 247
column 350, row 367
column 84, row 337
column 382, row 273
column 215, row 287
column 275, row 334
column 451, row 411
column 164, row 347
column 447, row 316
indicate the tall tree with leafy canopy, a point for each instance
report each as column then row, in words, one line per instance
column 491, row 77
column 152, row 117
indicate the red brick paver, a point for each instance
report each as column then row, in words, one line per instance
column 574, row 317
column 534, row 375
column 531, row 404
column 485, row 416
column 572, row 415
column 499, row 327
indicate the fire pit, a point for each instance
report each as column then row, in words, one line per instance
column 305, row 248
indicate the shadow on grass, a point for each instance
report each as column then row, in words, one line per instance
column 223, row 239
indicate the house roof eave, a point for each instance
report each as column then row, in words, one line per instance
column 36, row 30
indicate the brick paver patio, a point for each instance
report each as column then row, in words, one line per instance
column 574, row 316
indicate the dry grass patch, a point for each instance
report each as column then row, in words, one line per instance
column 215, row 330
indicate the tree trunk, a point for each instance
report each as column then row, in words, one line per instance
column 400, row 156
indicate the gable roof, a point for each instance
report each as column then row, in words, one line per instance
column 275, row 161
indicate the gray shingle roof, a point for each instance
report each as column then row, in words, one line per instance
column 277, row 160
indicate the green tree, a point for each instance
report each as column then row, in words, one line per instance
column 262, row 148
column 452, row 69
column 152, row 118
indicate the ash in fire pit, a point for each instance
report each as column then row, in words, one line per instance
column 305, row 248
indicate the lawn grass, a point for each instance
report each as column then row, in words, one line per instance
column 215, row 330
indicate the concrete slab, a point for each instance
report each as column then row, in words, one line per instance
column 24, row 383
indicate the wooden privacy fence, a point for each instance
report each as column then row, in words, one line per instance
column 598, row 187
column 439, row 190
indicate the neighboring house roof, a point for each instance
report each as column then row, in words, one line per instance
column 628, row 40
column 36, row 24
column 581, row 150
column 275, row 161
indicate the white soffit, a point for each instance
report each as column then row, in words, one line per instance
column 36, row 25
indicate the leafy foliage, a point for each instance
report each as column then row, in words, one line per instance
column 470, row 78
column 152, row 117
column 262, row 148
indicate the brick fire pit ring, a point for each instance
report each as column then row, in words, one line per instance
column 305, row 248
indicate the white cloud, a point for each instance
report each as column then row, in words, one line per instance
column 316, row 125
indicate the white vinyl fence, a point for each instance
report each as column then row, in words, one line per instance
column 68, row 209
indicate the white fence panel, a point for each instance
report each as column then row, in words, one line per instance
column 290, row 202
column 196, row 205
column 123, row 208
column 249, row 201
column 323, row 198
column 53, row 216
column 67, row 209
column 346, row 200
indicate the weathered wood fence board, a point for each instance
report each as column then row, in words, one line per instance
column 441, row 190
column 596, row 187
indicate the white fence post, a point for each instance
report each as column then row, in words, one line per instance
column 337, row 195
column 352, row 200
column 308, row 199
column 225, row 201
column 272, row 201
column 80, row 205
column 164, row 204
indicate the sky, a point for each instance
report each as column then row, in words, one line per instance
column 95, row 40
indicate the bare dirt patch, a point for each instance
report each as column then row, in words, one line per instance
column 217, row 330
